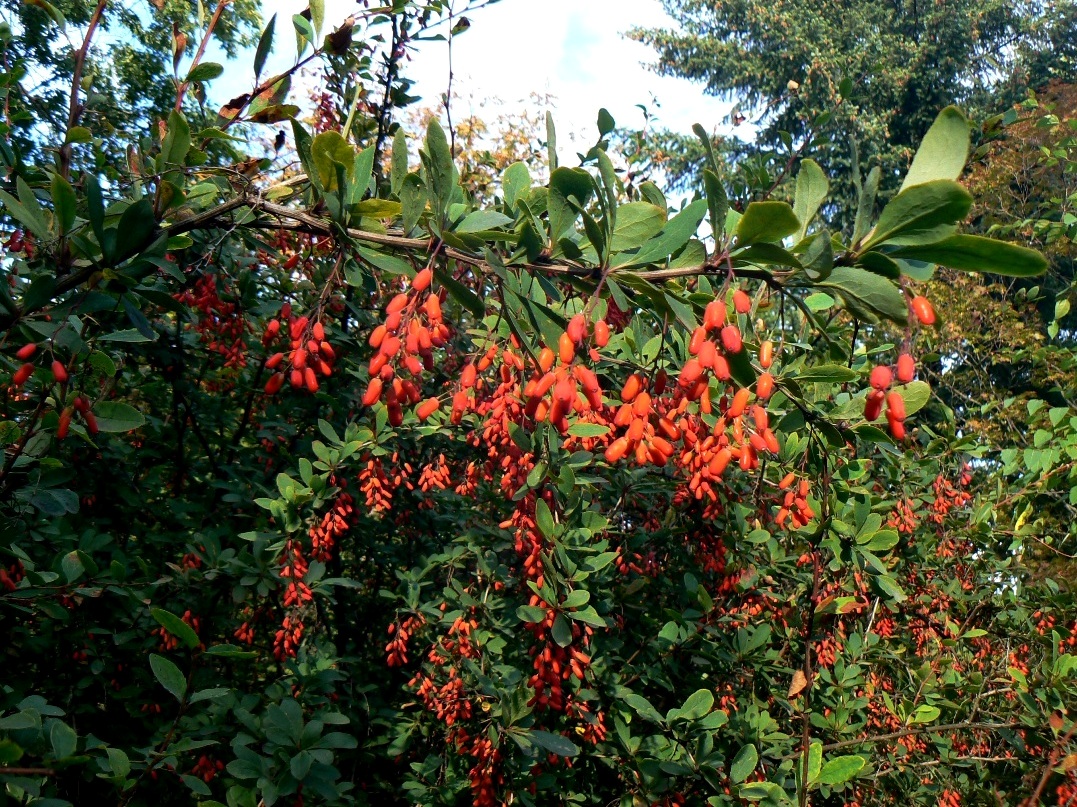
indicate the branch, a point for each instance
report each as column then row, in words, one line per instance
column 74, row 111
column 880, row 738
column 6, row 771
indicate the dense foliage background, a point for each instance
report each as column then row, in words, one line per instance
column 350, row 460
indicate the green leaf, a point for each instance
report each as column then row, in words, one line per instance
column 841, row 769
column 439, row 167
column 205, row 71
column 515, row 183
column 299, row 765
column 696, row 705
column 588, row 429
column 177, row 140
column 551, row 142
column 265, row 45
column 743, row 764
column 63, row 739
column 561, row 631
column 826, row 374
column 63, row 203
column 209, row 694
column 330, row 151
column 29, row 216
column 176, row 626
column 943, row 151
column 758, row 791
column 815, row 761
column 925, row 714
column 866, row 294
column 362, row 169
column 566, row 183
column 768, row 222
column 606, row 124
column 461, row 293
column 72, row 566
column 317, row 15
column 377, row 209
column 115, row 416
column 865, row 207
column 126, row 335
column 916, row 395
column 398, row 167
column 918, row 212
column 78, row 134
column 812, row 188
column 544, row 519
column 168, row 675
column 554, row 743
column 717, row 202
column 479, row 220
column 135, row 230
column 229, row 651
column 890, row 588
column 677, row 232
column 643, row 707
column 531, row 614
column 974, row 253
column 636, row 222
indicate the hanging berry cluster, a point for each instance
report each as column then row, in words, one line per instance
column 406, row 340
column 308, row 358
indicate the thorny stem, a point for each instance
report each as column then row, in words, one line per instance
column 182, row 91
column 74, row 111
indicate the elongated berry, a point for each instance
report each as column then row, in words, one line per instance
column 577, row 329
column 906, row 368
column 275, row 382
column 26, row 351
column 923, row 309
column 740, row 403
column 617, row 449
column 764, row 386
column 22, row 374
column 895, row 405
column 731, row 339
column 714, row 315
column 631, row 388
column 427, row 408
column 421, row 281
column 59, row 372
column 742, row 302
column 566, row 350
column 766, row 354
column 602, row 333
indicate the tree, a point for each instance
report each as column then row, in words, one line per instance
column 328, row 484
column 872, row 73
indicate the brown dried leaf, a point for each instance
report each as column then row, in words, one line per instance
column 798, row 683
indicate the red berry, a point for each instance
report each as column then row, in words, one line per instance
column 923, row 309
column 881, row 377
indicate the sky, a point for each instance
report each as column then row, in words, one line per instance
column 574, row 50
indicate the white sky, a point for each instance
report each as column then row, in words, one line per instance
column 572, row 49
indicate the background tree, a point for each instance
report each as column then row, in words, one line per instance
column 859, row 71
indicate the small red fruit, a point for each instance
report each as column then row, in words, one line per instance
column 881, row 377
column 742, row 302
column 906, row 368
column 923, row 309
